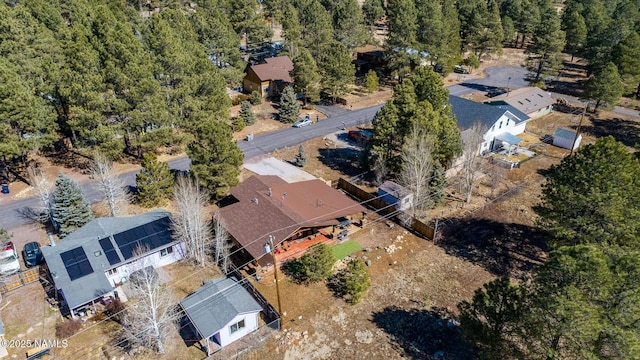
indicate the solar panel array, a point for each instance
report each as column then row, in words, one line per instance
column 150, row 236
column 76, row 263
column 109, row 251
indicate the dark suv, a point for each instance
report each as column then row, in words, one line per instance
column 32, row 254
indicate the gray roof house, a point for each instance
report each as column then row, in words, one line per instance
column 221, row 312
column 502, row 122
column 90, row 263
column 531, row 100
column 395, row 194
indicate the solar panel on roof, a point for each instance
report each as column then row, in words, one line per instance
column 76, row 263
column 151, row 235
column 109, row 251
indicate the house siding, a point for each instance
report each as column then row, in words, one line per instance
column 154, row 259
column 251, row 324
column 508, row 125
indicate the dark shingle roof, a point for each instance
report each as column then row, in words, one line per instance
column 152, row 229
column 526, row 99
column 468, row 112
column 276, row 68
column 290, row 206
column 216, row 303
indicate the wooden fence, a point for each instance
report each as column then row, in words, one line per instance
column 19, row 280
column 383, row 208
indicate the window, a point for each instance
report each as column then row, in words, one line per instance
column 167, row 251
column 493, row 127
column 237, row 326
column 507, row 122
column 112, row 271
column 500, row 127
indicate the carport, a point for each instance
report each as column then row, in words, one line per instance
column 508, row 141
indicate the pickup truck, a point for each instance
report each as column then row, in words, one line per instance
column 360, row 136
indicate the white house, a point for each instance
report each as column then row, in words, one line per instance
column 502, row 122
column 221, row 312
column 566, row 139
column 396, row 195
column 91, row 263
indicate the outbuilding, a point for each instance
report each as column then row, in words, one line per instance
column 565, row 139
column 221, row 312
column 396, row 195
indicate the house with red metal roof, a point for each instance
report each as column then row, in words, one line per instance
column 293, row 216
column 270, row 77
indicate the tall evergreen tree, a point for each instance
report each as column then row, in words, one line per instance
column 373, row 11
column 627, row 59
column 402, row 24
column 154, row 183
column 289, row 106
column 349, row 25
column 590, row 197
column 575, row 29
column 306, row 77
column 317, row 28
column 338, row 72
column 215, row 157
column 605, row 87
column 548, row 42
column 70, row 208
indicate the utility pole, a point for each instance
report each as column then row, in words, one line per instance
column 573, row 145
column 270, row 248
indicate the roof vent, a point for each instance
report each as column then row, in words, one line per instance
column 255, row 200
column 269, row 192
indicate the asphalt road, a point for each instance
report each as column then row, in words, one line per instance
column 11, row 210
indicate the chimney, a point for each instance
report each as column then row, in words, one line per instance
column 51, row 242
column 269, row 192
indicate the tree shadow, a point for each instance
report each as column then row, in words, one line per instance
column 345, row 160
column 624, row 131
column 501, row 248
column 424, row 334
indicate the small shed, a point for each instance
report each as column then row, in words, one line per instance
column 396, row 195
column 221, row 312
column 565, row 139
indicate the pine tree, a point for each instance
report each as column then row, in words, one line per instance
column 301, row 158
column 354, row 280
column 154, row 182
column 373, row 11
column 604, row 87
column 246, row 113
column 337, row 70
column 437, row 185
column 627, row 59
column 289, row 106
column 256, row 98
column 70, row 208
column 575, row 29
column 215, row 157
column 548, row 41
column 371, row 81
column 306, row 76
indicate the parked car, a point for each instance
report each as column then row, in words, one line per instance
column 361, row 136
column 9, row 262
column 304, row 122
column 32, row 254
column 459, row 69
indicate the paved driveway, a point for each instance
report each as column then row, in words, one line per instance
column 497, row 76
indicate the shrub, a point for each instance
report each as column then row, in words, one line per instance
column 314, row 266
column 247, row 114
column 301, row 158
column 256, row 98
column 354, row 281
column 239, row 99
column 68, row 328
column 237, row 123
column 115, row 309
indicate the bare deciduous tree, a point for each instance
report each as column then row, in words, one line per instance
column 471, row 138
column 113, row 189
column 190, row 223
column 417, row 165
column 380, row 169
column 150, row 310
column 221, row 244
column 44, row 189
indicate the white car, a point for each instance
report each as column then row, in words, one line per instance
column 9, row 262
column 304, row 122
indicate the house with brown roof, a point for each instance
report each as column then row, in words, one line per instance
column 532, row 101
column 270, row 77
column 293, row 216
